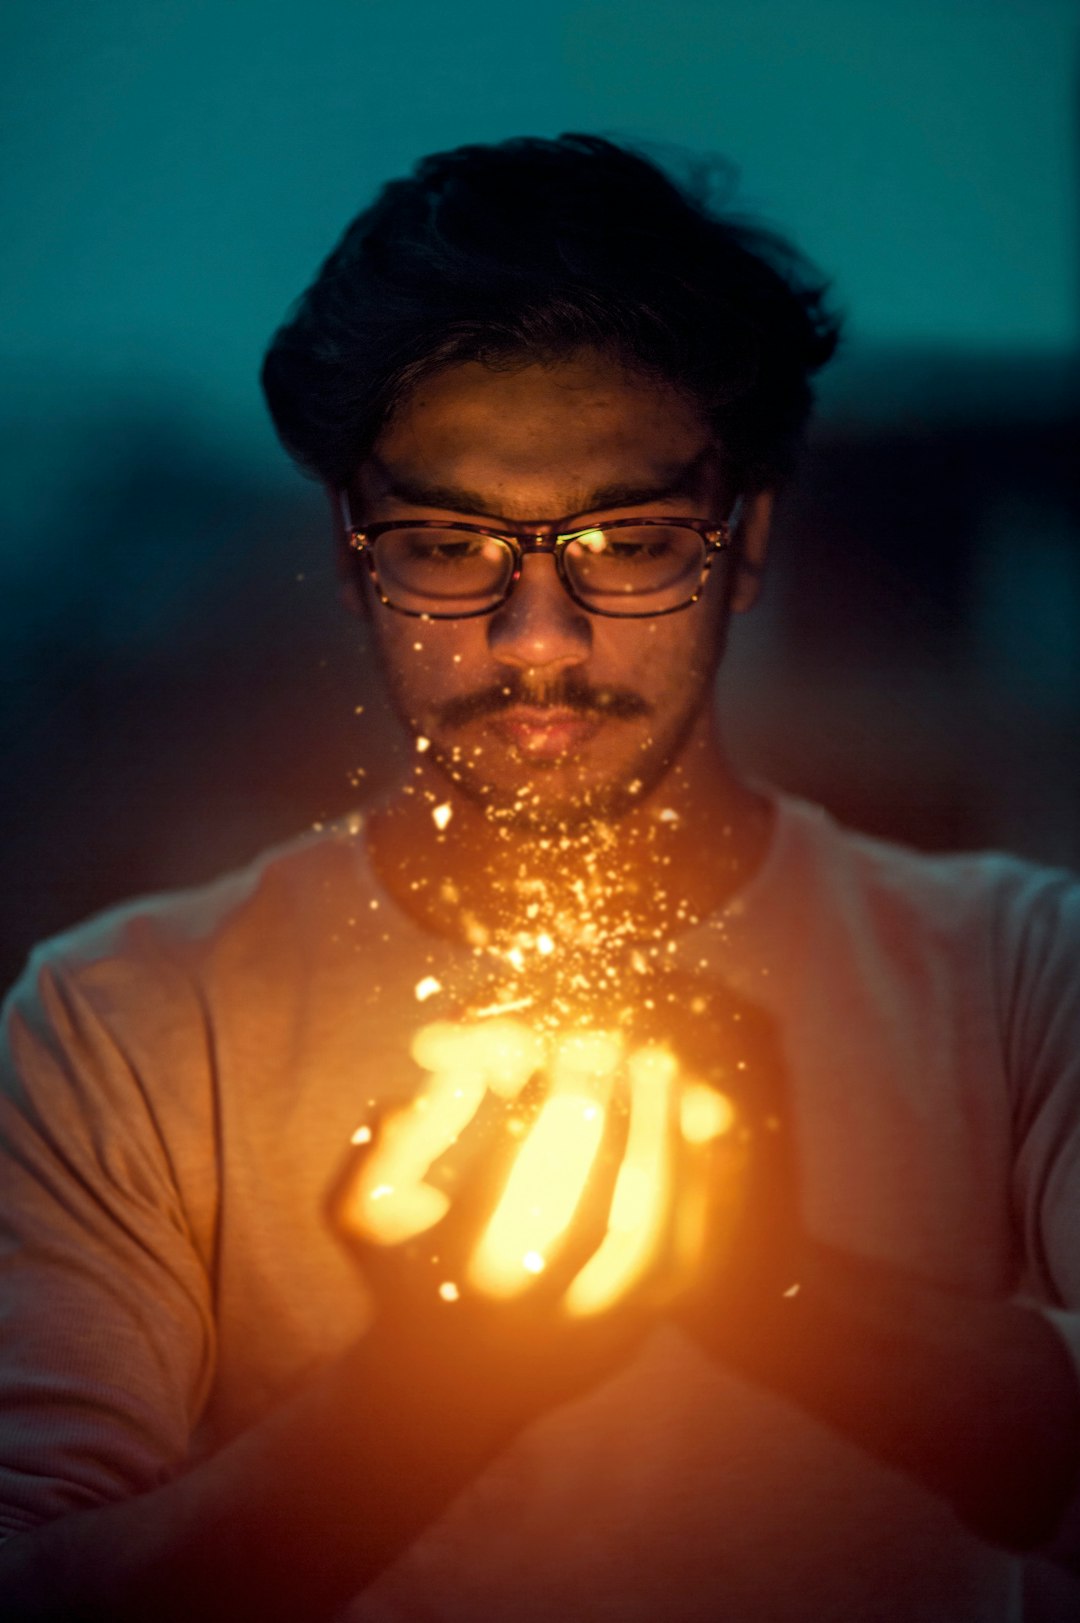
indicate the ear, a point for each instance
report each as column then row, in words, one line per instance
column 751, row 547
column 350, row 583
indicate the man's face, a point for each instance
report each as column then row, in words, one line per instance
column 542, row 712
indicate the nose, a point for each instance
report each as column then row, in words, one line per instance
column 540, row 627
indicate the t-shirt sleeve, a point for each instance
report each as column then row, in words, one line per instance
column 106, row 1328
column 1038, row 957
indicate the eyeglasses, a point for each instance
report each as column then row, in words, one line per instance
column 632, row 568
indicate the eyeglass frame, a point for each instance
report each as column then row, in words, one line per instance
column 541, row 535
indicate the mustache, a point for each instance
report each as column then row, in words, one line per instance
column 561, row 693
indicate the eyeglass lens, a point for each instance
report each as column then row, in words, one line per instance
column 628, row 571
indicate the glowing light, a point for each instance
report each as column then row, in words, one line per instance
column 642, row 1190
column 492, row 1009
column 501, row 1054
column 793, row 1290
column 427, row 988
column 704, row 1114
column 542, row 1193
column 441, row 814
column 422, row 743
column 392, row 1202
column 544, row 945
column 554, row 1156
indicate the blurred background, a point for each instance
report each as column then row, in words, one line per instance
column 179, row 685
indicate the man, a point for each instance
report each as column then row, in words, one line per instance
column 550, row 395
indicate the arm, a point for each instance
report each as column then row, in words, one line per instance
column 289, row 1520
column 104, row 1356
column 297, row 1515
column 978, row 1400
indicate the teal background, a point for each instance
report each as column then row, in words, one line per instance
column 178, row 683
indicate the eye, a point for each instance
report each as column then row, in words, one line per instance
column 629, row 546
column 442, row 546
column 658, row 546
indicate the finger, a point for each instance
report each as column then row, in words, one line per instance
column 477, row 1192
column 338, row 1201
column 590, row 1222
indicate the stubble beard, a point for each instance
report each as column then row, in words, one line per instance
column 530, row 807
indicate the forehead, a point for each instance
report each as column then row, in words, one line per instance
column 538, row 437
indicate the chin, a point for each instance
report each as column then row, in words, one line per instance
column 542, row 805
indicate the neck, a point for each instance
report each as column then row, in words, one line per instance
column 652, row 873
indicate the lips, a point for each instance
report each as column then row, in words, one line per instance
column 546, row 734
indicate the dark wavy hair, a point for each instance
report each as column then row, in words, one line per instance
column 529, row 250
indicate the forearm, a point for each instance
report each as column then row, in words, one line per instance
column 288, row 1521
column 978, row 1400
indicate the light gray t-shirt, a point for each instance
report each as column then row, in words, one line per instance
column 182, row 1076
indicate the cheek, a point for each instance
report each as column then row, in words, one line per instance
column 677, row 649
column 420, row 658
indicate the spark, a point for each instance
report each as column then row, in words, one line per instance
column 533, row 1262
column 427, row 988
column 491, row 1009
column 441, row 815
column 793, row 1290
column 449, row 1291
column 544, row 945
column 362, row 1135
column 422, row 743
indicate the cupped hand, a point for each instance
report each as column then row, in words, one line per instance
column 505, row 1360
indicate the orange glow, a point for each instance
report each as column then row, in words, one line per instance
column 642, row 1192
column 704, row 1114
column 552, row 1167
column 554, row 1159
column 545, row 1185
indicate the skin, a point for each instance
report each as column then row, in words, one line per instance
column 632, row 730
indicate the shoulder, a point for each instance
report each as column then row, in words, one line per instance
column 993, row 890
column 277, row 905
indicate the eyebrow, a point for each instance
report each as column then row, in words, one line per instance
column 680, row 481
